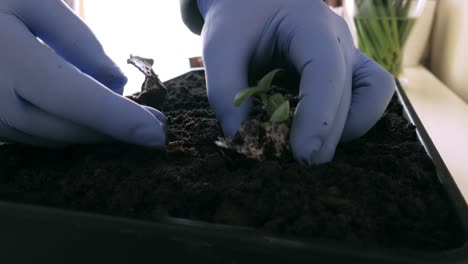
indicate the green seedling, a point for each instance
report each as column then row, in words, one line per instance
column 276, row 106
column 383, row 27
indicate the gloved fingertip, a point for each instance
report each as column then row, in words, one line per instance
column 110, row 76
column 150, row 136
column 161, row 117
column 118, row 91
column 164, row 128
column 232, row 122
column 156, row 113
column 230, row 128
column 115, row 81
column 306, row 151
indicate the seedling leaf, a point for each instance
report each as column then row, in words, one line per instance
column 265, row 83
column 273, row 103
column 245, row 94
column 281, row 114
column 142, row 64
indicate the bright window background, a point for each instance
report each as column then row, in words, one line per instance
column 147, row 28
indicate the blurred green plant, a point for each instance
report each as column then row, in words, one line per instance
column 276, row 105
column 383, row 27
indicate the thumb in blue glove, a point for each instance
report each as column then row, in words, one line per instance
column 67, row 94
column 342, row 94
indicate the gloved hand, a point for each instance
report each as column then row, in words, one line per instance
column 343, row 93
column 68, row 93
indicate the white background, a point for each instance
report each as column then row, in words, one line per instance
column 147, row 28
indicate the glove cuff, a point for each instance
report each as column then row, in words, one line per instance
column 191, row 15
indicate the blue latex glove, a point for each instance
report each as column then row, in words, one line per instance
column 343, row 93
column 69, row 93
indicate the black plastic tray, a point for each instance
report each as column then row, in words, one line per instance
column 34, row 234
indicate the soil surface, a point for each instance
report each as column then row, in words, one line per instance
column 381, row 189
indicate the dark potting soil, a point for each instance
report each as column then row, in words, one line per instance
column 381, row 189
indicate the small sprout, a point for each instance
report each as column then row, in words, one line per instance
column 242, row 96
column 153, row 92
column 152, row 81
column 143, row 64
column 256, row 139
column 281, row 113
column 274, row 102
column 267, row 80
column 276, row 106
